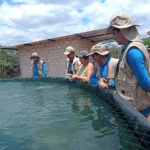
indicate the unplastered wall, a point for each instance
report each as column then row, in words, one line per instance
column 52, row 53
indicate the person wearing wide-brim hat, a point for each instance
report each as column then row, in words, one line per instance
column 132, row 79
column 86, row 68
column 73, row 63
column 38, row 66
column 104, row 73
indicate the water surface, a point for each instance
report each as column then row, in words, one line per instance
column 52, row 116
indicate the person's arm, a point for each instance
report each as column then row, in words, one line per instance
column 90, row 70
column 136, row 61
column 93, row 79
column 44, row 69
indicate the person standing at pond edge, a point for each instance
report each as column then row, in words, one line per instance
column 132, row 79
column 104, row 73
column 86, row 68
column 73, row 63
column 38, row 66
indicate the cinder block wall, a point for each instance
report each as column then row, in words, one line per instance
column 52, row 54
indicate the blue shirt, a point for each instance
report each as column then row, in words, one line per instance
column 70, row 71
column 103, row 73
column 136, row 61
column 35, row 69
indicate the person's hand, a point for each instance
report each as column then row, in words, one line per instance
column 74, row 77
column 84, row 80
column 103, row 80
column 102, row 84
column 68, row 74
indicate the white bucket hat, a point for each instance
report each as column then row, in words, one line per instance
column 131, row 33
column 123, row 22
column 34, row 55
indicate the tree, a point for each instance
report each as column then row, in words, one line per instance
column 114, row 49
column 146, row 42
column 7, row 60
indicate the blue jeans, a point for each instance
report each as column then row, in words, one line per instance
column 145, row 112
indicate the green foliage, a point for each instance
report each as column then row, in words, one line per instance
column 146, row 42
column 7, row 59
column 8, row 67
column 114, row 50
column 8, row 56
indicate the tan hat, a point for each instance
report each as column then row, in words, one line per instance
column 121, row 21
column 34, row 55
column 68, row 50
column 100, row 49
column 131, row 33
column 83, row 53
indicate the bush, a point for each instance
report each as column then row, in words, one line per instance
column 8, row 67
column 146, row 42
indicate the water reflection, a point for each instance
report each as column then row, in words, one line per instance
column 40, row 115
column 92, row 111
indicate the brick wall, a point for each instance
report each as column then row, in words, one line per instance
column 52, row 54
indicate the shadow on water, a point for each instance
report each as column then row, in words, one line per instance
column 100, row 119
column 111, row 126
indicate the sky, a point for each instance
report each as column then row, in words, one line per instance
column 23, row 21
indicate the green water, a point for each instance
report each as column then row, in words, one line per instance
column 54, row 116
